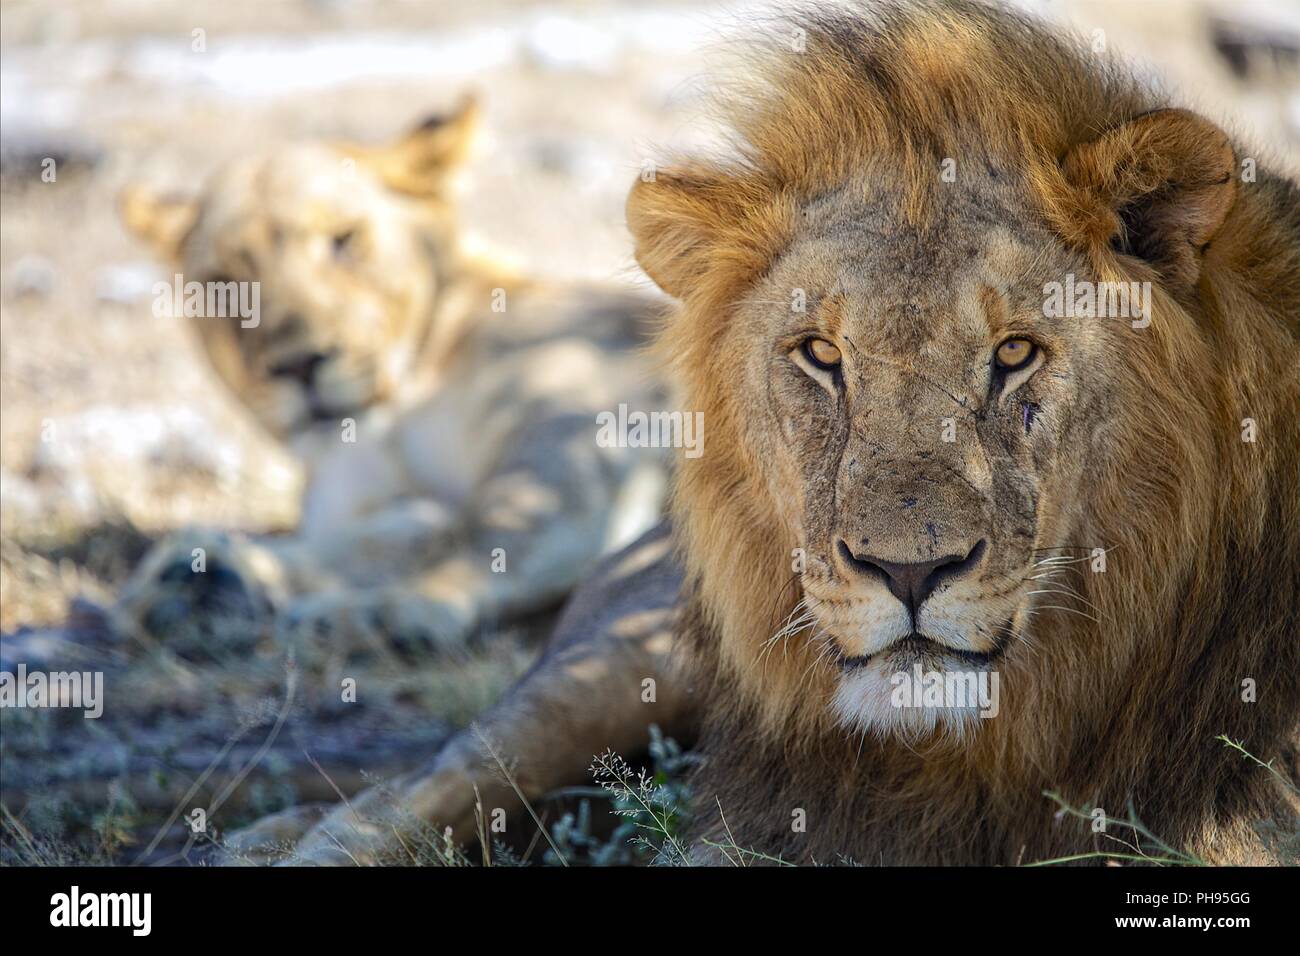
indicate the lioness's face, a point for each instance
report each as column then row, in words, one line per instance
column 345, row 278
column 924, row 405
column 338, row 249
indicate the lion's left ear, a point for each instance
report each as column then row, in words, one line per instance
column 1159, row 186
column 422, row 161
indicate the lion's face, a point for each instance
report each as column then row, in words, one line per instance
column 912, row 456
column 346, row 246
column 921, row 406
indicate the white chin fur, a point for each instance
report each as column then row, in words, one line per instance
column 871, row 700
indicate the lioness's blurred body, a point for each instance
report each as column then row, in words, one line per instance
column 443, row 407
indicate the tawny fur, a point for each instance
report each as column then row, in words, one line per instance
column 1121, row 714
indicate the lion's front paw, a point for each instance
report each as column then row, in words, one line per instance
column 199, row 587
column 361, row 622
column 361, row 832
column 421, row 817
column 272, row 839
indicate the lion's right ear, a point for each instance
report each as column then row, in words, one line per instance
column 695, row 227
column 163, row 221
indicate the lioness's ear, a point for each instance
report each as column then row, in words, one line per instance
column 421, row 161
column 697, row 222
column 160, row 220
column 1162, row 184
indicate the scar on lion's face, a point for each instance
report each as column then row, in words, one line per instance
column 924, row 388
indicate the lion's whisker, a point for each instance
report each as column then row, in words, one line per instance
column 1068, row 593
column 1070, row 610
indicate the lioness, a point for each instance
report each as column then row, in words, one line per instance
column 444, row 408
column 1078, row 521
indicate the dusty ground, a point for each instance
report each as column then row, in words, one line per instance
column 113, row 429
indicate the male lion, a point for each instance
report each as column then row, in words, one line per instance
column 921, row 472
column 445, row 410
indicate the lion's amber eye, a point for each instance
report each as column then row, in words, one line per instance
column 1014, row 353
column 821, row 353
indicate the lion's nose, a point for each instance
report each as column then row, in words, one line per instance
column 913, row 582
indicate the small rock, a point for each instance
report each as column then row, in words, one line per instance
column 125, row 284
column 33, row 276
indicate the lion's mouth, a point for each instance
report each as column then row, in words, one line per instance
column 319, row 412
column 919, row 648
column 350, row 398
